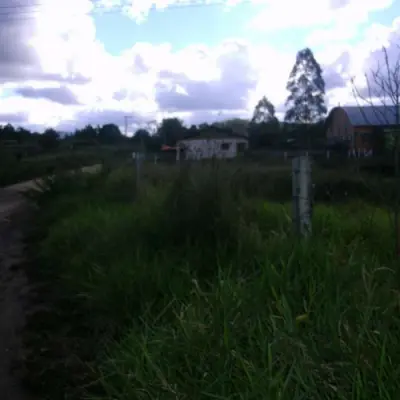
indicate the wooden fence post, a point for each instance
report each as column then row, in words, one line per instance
column 301, row 188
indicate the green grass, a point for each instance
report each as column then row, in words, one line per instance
column 13, row 170
column 195, row 289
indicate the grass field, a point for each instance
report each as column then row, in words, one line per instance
column 195, row 288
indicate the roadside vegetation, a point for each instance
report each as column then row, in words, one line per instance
column 13, row 170
column 195, row 287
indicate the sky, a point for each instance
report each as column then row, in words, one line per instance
column 65, row 64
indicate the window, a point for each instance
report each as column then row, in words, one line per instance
column 225, row 146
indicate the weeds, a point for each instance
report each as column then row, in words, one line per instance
column 198, row 290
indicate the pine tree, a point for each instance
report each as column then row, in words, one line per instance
column 264, row 126
column 306, row 101
column 264, row 112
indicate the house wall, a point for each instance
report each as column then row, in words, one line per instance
column 339, row 125
column 209, row 148
column 363, row 137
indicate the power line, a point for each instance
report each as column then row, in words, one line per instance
column 121, row 6
column 30, row 11
column 19, row 6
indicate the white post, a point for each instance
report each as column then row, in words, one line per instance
column 285, row 156
column 178, row 153
column 301, row 185
column 328, row 155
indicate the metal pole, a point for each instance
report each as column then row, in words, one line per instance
column 126, row 118
column 126, row 125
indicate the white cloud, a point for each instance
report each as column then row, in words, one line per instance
column 342, row 23
column 285, row 14
column 76, row 81
column 139, row 10
column 36, row 111
column 330, row 16
column 65, row 39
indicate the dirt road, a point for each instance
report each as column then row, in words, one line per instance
column 14, row 286
column 13, row 290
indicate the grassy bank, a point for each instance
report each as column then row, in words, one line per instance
column 14, row 171
column 196, row 289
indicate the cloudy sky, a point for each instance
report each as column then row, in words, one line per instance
column 66, row 63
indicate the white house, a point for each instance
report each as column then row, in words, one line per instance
column 210, row 145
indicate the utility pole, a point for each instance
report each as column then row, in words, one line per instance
column 126, row 119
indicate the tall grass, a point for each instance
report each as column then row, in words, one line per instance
column 197, row 290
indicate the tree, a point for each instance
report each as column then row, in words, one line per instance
column 204, row 126
column 109, row 134
column 87, row 133
column 7, row 132
column 382, row 95
column 141, row 134
column 22, row 135
column 264, row 112
column 171, row 130
column 236, row 125
column 142, row 138
column 306, row 101
column 49, row 140
column 193, row 131
column 264, row 127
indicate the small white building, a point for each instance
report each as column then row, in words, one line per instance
column 212, row 145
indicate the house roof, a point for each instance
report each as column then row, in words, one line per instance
column 371, row 115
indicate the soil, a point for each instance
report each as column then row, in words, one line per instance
column 14, row 288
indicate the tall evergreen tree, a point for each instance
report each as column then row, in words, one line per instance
column 264, row 112
column 306, row 101
column 264, row 126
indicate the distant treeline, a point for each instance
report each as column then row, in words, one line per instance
column 169, row 131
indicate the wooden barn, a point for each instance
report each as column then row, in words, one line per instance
column 364, row 128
